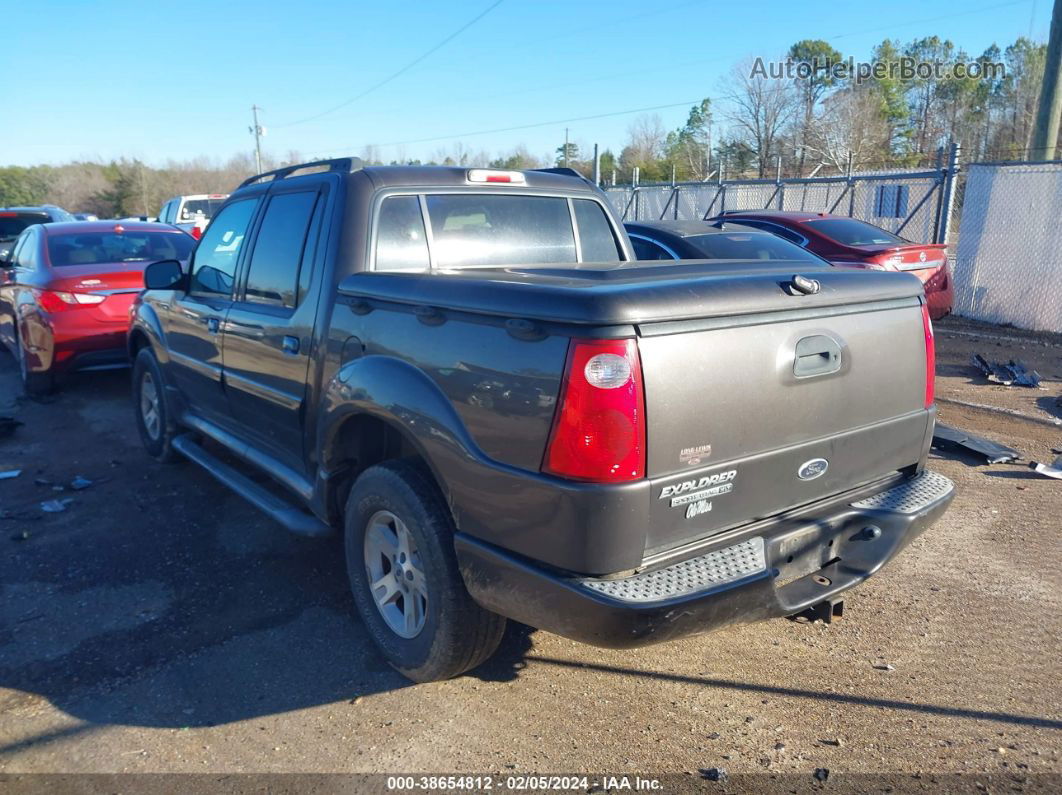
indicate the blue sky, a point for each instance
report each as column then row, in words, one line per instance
column 105, row 79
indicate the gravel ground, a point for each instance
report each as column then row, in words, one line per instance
column 160, row 624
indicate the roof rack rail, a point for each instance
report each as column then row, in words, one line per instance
column 343, row 164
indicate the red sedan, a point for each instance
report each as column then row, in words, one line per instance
column 847, row 241
column 66, row 290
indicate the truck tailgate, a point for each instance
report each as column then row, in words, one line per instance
column 750, row 415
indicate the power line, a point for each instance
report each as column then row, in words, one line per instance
column 657, row 107
column 400, row 72
column 521, row 126
column 950, row 16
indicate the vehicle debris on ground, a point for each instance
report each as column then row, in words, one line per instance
column 1053, row 470
column 954, row 440
column 1013, row 372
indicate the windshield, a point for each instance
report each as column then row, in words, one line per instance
column 194, row 208
column 851, row 232
column 12, row 224
column 107, row 247
column 746, row 245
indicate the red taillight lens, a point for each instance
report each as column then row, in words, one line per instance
column 599, row 429
column 931, row 355
column 54, row 301
column 196, row 232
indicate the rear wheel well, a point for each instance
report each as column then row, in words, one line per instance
column 362, row 442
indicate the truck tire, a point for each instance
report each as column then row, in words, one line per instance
column 153, row 420
column 399, row 535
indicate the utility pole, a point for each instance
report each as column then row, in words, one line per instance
column 565, row 147
column 258, row 132
column 597, row 166
column 1045, row 136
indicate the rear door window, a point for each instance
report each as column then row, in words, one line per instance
column 273, row 275
column 216, row 256
column 28, row 257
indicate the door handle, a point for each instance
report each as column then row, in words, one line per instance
column 291, row 345
column 212, row 325
column 818, row 355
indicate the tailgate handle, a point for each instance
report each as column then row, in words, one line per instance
column 818, row 355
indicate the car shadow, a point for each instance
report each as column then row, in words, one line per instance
column 158, row 598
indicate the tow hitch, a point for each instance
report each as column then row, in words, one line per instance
column 826, row 611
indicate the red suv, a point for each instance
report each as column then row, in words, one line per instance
column 66, row 290
column 847, row 241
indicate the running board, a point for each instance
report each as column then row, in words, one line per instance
column 287, row 514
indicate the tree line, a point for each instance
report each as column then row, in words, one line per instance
column 810, row 121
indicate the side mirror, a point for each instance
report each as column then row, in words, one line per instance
column 165, row 274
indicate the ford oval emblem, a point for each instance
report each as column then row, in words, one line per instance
column 812, row 469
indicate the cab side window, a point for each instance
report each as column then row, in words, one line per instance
column 273, row 275
column 216, row 256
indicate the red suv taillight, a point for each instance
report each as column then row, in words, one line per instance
column 196, row 232
column 599, row 428
column 56, row 301
column 931, row 355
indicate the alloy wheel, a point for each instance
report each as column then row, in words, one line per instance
column 395, row 574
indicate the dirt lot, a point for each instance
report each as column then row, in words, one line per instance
column 161, row 624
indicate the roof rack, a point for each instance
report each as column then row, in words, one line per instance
column 343, row 164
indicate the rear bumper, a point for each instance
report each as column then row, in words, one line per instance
column 62, row 346
column 775, row 571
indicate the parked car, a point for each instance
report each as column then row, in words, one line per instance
column 14, row 219
column 652, row 449
column 721, row 239
column 854, row 243
column 66, row 290
column 191, row 213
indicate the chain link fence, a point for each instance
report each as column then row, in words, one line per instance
column 907, row 203
column 1008, row 264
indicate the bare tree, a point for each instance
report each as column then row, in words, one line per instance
column 761, row 108
column 851, row 123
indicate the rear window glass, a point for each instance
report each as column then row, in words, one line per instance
column 482, row 229
column 12, row 224
column 401, row 243
column 596, row 240
column 194, row 208
column 850, row 232
column 95, row 248
column 749, row 245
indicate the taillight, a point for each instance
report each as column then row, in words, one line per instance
column 599, row 428
column 931, row 355
column 56, row 301
column 196, row 232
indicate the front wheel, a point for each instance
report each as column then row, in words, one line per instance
column 404, row 576
column 149, row 403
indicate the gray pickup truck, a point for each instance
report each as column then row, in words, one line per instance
column 507, row 416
